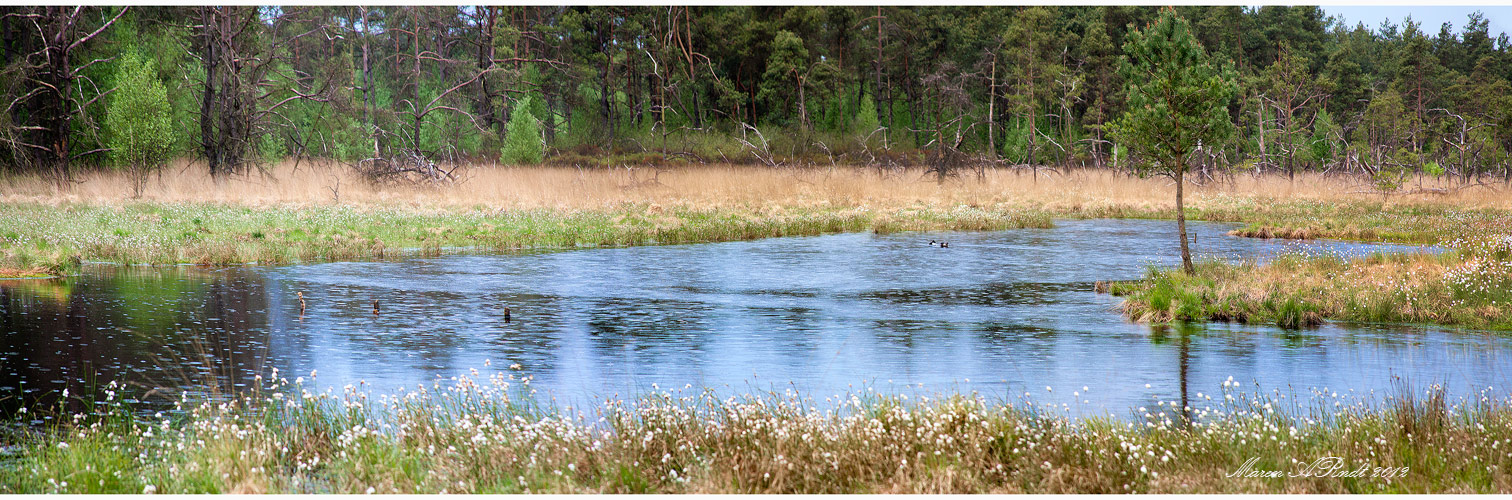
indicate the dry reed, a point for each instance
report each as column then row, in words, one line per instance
column 514, row 187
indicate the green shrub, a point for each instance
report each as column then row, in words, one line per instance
column 140, row 135
column 522, row 141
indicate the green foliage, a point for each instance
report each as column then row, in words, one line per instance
column 1054, row 68
column 1178, row 102
column 1384, row 140
column 1178, row 98
column 522, row 142
column 1433, row 168
column 447, row 134
column 865, row 122
column 1033, row 71
column 1321, row 146
column 1016, row 141
column 138, row 121
column 788, row 61
column 271, row 148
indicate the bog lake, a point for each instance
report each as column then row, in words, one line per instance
column 1010, row 315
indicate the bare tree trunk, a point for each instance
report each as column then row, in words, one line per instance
column 367, row 83
column 485, row 60
column 1186, row 252
column 207, row 105
column 1260, row 118
column 991, row 99
column 803, row 120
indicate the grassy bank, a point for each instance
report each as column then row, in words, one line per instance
column 57, row 238
column 475, row 437
column 321, row 213
column 1469, row 286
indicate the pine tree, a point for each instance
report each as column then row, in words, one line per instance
column 1102, row 82
column 1178, row 101
column 1321, row 146
column 866, row 120
column 1031, row 50
column 522, row 139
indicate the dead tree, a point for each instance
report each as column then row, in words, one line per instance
column 426, row 55
column 1463, row 145
column 57, row 93
column 948, row 87
column 242, row 95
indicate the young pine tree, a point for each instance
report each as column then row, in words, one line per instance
column 866, row 120
column 522, row 137
column 137, row 124
column 1177, row 101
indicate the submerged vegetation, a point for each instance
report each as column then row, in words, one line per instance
column 486, row 435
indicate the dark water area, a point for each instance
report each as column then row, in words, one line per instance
column 1000, row 313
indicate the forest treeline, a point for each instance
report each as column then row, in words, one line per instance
column 394, row 89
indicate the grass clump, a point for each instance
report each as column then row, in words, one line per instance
column 485, row 435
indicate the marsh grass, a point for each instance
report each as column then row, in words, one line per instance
column 321, row 212
column 484, row 435
column 60, row 237
column 1469, row 286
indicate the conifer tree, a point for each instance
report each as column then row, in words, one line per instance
column 1177, row 102
column 522, row 139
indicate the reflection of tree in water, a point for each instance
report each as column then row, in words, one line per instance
column 156, row 331
column 1182, row 337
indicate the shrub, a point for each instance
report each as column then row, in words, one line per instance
column 137, row 121
column 522, row 140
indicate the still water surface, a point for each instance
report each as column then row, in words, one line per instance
column 1000, row 313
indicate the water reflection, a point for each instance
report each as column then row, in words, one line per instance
column 159, row 331
column 1003, row 313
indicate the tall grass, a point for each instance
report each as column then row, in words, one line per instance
column 512, row 187
column 484, row 435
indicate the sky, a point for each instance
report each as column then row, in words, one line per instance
column 1499, row 17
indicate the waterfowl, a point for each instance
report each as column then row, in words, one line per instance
column 301, row 303
column 944, row 245
column 375, row 307
column 506, row 314
column 933, row 242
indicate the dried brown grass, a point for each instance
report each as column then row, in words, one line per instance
column 514, row 187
